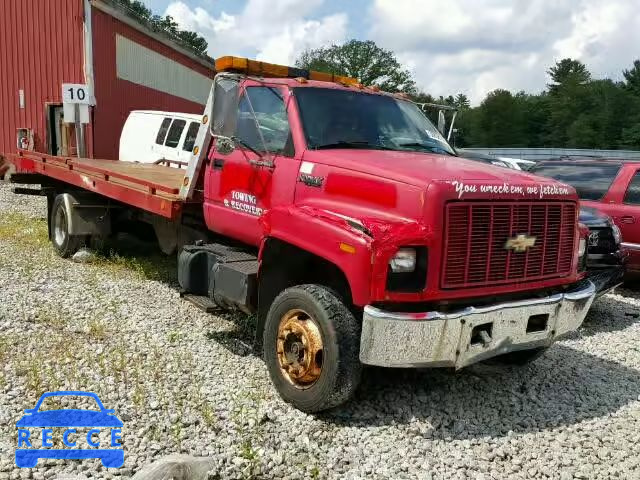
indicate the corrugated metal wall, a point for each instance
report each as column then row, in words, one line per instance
column 116, row 97
column 145, row 67
column 41, row 47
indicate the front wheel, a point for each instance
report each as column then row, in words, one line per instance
column 311, row 348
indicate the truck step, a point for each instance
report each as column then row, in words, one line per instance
column 203, row 303
column 227, row 276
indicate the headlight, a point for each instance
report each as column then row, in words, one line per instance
column 582, row 247
column 617, row 235
column 403, row 261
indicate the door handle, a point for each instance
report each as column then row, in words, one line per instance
column 218, row 163
column 627, row 219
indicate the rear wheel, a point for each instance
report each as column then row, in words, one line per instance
column 311, row 348
column 63, row 242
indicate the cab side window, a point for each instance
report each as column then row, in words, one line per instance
column 175, row 132
column 162, row 132
column 190, row 139
column 632, row 195
column 270, row 122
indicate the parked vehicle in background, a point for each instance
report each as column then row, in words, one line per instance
column 513, row 163
column 483, row 157
column 606, row 260
column 341, row 217
column 159, row 137
column 518, row 163
column 610, row 186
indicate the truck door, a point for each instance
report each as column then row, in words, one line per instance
column 238, row 190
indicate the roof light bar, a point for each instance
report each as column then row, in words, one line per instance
column 253, row 67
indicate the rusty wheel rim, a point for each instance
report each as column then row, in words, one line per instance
column 299, row 348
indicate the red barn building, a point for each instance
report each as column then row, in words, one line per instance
column 45, row 43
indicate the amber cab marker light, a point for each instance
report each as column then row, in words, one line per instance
column 345, row 247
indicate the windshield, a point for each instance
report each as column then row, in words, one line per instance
column 335, row 118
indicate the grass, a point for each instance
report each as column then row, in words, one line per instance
column 51, row 317
column 155, row 267
column 127, row 255
column 23, row 230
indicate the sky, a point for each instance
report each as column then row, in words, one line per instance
column 450, row 46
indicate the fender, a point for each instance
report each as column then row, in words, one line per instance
column 360, row 248
column 87, row 213
column 342, row 241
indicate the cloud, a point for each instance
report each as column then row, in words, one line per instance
column 475, row 46
column 269, row 30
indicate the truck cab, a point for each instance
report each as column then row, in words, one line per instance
column 441, row 261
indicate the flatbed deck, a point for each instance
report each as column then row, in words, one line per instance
column 154, row 188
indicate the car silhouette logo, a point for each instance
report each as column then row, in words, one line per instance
column 69, row 418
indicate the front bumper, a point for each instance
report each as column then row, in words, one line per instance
column 436, row 339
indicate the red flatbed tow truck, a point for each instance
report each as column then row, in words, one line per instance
column 341, row 217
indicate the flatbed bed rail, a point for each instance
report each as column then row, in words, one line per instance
column 154, row 188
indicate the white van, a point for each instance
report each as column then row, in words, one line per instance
column 153, row 137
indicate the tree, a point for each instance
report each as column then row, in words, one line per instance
column 364, row 60
column 632, row 78
column 166, row 25
column 500, row 121
column 568, row 72
column 568, row 98
column 462, row 101
column 196, row 42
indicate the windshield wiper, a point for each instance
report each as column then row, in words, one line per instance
column 426, row 146
column 364, row 145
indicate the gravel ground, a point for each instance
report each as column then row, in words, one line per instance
column 184, row 382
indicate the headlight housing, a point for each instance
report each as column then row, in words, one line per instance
column 407, row 270
column 403, row 261
column 582, row 254
column 582, row 247
column 617, row 234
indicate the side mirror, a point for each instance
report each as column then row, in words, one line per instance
column 441, row 122
column 225, row 106
column 225, row 145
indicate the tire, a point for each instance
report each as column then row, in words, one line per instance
column 520, row 357
column 63, row 242
column 340, row 371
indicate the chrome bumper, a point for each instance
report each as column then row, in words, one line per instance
column 436, row 339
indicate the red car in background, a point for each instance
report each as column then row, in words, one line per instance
column 610, row 186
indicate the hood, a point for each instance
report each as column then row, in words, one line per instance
column 423, row 169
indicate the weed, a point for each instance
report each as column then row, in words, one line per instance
column 34, row 378
column 315, row 473
column 139, row 395
column 51, row 317
column 249, row 453
column 207, row 413
column 97, row 329
column 174, row 336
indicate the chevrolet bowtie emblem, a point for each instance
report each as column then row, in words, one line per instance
column 520, row 243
